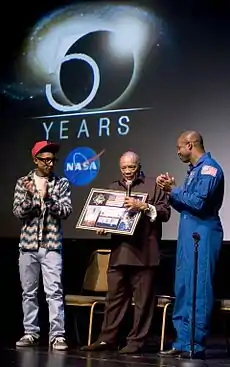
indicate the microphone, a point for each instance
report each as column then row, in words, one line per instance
column 128, row 191
column 196, row 237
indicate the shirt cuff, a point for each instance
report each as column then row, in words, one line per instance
column 152, row 212
column 27, row 202
column 52, row 206
column 175, row 191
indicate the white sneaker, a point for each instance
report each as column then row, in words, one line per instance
column 59, row 343
column 28, row 340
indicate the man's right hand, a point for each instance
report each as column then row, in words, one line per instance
column 165, row 182
column 28, row 184
column 102, row 232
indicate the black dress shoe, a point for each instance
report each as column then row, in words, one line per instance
column 170, row 353
column 98, row 346
column 130, row 349
column 187, row 355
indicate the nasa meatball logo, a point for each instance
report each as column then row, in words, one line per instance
column 82, row 166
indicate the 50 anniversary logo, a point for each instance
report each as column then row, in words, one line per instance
column 88, row 59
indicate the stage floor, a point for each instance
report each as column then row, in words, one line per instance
column 42, row 357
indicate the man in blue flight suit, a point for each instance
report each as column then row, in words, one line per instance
column 198, row 201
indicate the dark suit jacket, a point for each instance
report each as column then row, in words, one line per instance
column 141, row 249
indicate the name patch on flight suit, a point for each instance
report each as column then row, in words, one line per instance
column 190, row 177
column 209, row 170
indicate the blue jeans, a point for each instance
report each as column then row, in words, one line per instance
column 211, row 236
column 30, row 265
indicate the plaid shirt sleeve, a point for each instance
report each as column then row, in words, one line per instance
column 60, row 207
column 24, row 203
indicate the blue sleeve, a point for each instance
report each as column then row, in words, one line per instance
column 178, row 206
column 196, row 200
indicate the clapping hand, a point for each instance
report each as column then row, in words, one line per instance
column 28, row 184
column 166, row 182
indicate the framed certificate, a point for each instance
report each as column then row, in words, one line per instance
column 104, row 209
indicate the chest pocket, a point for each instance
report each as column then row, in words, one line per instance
column 191, row 180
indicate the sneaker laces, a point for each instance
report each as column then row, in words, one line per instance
column 28, row 337
column 59, row 339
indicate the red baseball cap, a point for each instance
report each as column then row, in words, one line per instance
column 44, row 145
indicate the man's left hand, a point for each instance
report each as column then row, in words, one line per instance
column 134, row 204
column 166, row 182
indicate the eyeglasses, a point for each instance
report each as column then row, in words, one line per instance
column 47, row 161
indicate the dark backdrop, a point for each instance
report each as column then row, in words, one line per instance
column 184, row 81
column 176, row 56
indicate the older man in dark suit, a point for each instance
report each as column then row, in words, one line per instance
column 133, row 260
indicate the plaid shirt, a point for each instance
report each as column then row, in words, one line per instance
column 27, row 207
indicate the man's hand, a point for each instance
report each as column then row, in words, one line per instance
column 166, row 182
column 134, row 204
column 101, row 232
column 28, row 184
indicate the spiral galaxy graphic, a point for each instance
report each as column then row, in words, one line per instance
column 87, row 56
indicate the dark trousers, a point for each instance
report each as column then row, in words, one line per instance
column 124, row 284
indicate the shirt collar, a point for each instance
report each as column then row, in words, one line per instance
column 200, row 161
column 50, row 178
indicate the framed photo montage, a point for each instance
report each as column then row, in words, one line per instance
column 104, row 209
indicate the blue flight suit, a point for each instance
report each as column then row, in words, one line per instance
column 198, row 201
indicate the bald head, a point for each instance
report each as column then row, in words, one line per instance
column 129, row 165
column 130, row 156
column 190, row 146
column 193, row 137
